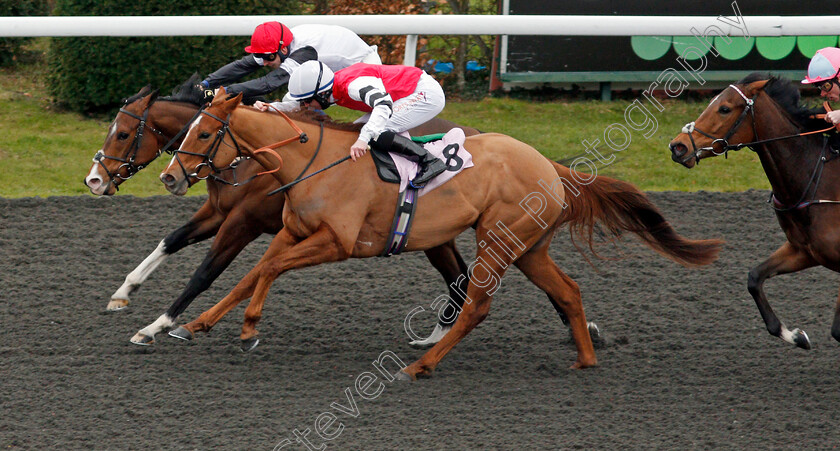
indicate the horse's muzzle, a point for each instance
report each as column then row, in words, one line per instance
column 681, row 155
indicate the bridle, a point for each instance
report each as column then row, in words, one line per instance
column 129, row 159
column 775, row 203
column 214, row 146
column 725, row 146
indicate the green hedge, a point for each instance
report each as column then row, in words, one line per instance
column 92, row 75
column 10, row 48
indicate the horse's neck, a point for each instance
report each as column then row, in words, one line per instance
column 171, row 117
column 788, row 163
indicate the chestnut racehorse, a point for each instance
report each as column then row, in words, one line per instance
column 346, row 211
column 764, row 114
column 145, row 126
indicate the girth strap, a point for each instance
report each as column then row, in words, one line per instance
column 406, row 204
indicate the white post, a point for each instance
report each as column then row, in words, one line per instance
column 410, row 50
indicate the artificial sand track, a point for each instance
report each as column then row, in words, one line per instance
column 687, row 361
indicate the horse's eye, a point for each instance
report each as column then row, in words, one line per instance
column 122, row 136
column 724, row 110
column 203, row 135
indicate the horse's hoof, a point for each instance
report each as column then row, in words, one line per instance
column 142, row 339
column 800, row 339
column 598, row 339
column 594, row 331
column 249, row 344
column 115, row 305
column 403, row 376
column 437, row 334
column 181, row 333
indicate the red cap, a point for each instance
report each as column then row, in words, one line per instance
column 269, row 38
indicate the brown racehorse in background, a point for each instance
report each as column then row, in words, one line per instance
column 764, row 113
column 338, row 213
column 235, row 215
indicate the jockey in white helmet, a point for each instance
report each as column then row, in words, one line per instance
column 396, row 98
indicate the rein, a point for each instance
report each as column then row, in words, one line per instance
column 225, row 129
column 298, row 179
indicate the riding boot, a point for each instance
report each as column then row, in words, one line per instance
column 430, row 166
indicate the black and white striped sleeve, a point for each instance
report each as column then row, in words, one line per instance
column 371, row 91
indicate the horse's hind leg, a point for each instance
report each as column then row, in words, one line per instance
column 201, row 226
column 447, row 260
column 564, row 294
column 835, row 327
column 786, row 259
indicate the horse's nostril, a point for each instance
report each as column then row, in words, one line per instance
column 167, row 179
column 678, row 149
column 93, row 182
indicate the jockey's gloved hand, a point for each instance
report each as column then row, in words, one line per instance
column 251, row 100
column 206, row 93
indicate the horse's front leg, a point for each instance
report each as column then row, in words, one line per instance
column 204, row 224
column 321, row 247
column 786, row 259
column 232, row 237
column 243, row 290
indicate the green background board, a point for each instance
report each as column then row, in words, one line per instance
column 683, row 42
column 737, row 48
column 808, row 45
column 775, row 47
column 650, row 47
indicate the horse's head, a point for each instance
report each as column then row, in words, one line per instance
column 208, row 146
column 727, row 119
column 127, row 148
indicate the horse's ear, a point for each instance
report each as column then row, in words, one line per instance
column 754, row 87
column 231, row 101
column 153, row 96
column 218, row 96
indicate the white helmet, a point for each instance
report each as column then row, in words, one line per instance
column 312, row 80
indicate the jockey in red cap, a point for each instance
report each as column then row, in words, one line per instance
column 284, row 49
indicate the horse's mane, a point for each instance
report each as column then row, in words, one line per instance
column 187, row 92
column 785, row 93
column 143, row 93
column 317, row 117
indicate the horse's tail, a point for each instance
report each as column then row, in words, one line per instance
column 619, row 206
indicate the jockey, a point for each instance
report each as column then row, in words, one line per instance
column 396, row 98
column 284, row 49
column 822, row 73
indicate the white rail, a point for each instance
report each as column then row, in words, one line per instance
column 60, row 26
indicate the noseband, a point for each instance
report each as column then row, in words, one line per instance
column 724, row 142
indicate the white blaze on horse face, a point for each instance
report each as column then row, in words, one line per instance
column 192, row 127
column 94, row 170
